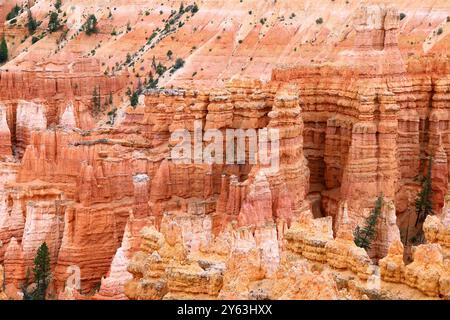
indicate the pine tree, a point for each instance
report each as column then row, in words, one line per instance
column 134, row 99
column 424, row 204
column 3, row 51
column 152, row 82
column 179, row 63
column 90, row 26
column 195, row 8
column 58, row 4
column 32, row 23
column 53, row 23
column 365, row 236
column 41, row 272
column 160, row 69
column 14, row 12
column 128, row 59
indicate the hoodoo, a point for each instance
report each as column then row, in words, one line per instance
column 226, row 149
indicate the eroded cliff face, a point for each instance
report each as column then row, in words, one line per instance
column 359, row 103
column 235, row 265
column 220, row 40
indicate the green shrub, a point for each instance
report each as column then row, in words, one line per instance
column 32, row 23
column 134, row 99
column 58, row 4
column 13, row 13
column 160, row 69
column 54, row 24
column 128, row 59
column 90, row 26
column 3, row 51
column 179, row 63
column 194, row 8
column 150, row 39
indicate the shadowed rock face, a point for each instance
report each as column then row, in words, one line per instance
column 358, row 94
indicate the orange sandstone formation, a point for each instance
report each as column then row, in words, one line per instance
column 359, row 100
column 5, row 134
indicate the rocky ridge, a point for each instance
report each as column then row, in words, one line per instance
column 355, row 122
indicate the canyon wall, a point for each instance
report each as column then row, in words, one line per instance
column 372, row 119
column 231, row 266
column 359, row 105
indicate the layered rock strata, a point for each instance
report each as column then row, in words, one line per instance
column 358, row 111
column 429, row 271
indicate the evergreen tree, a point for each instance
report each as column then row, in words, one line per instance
column 424, row 204
column 128, row 59
column 3, row 51
column 58, row 4
column 31, row 24
column 152, row 82
column 195, row 8
column 90, row 26
column 160, row 69
column 134, row 99
column 13, row 13
column 41, row 272
column 179, row 63
column 365, row 236
column 53, row 23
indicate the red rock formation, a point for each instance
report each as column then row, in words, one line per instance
column 392, row 267
column 3, row 295
column 68, row 117
column 30, row 117
column 90, row 239
column 55, row 210
column 14, row 266
column 5, row 134
column 429, row 270
column 112, row 287
column 360, row 104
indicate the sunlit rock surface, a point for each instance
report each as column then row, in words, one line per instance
column 359, row 94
